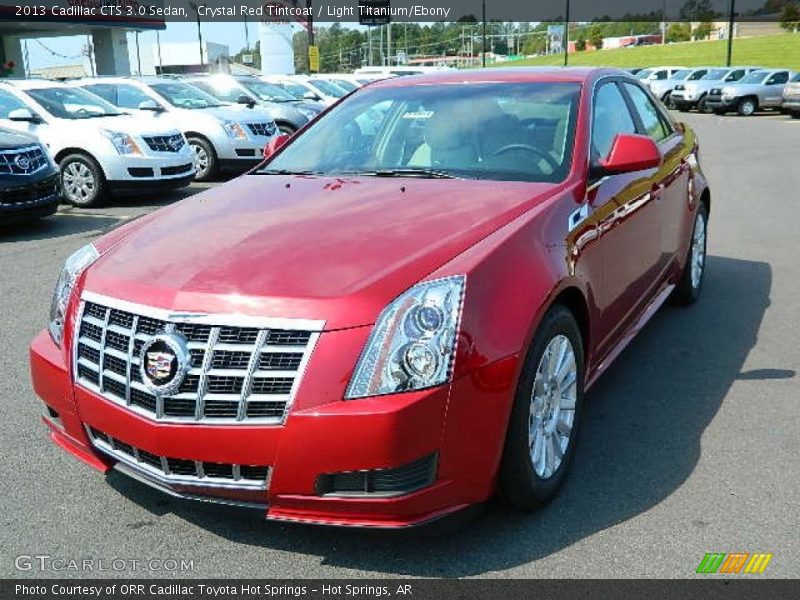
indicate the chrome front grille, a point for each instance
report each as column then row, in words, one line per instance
column 243, row 373
column 182, row 472
column 165, row 143
column 263, row 129
column 22, row 161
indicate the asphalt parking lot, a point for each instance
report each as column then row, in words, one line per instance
column 689, row 443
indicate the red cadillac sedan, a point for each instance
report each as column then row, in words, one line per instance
column 395, row 316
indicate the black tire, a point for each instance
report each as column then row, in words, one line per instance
column 747, row 107
column 205, row 158
column 795, row 114
column 519, row 484
column 688, row 291
column 667, row 100
column 683, row 108
column 82, row 180
column 720, row 112
column 287, row 128
column 701, row 106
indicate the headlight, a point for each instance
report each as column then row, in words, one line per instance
column 234, row 130
column 123, row 143
column 73, row 267
column 413, row 343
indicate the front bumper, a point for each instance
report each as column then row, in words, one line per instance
column 791, row 105
column 152, row 168
column 680, row 101
column 721, row 103
column 464, row 437
column 237, row 155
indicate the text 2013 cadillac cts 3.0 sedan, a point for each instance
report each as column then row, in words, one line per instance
column 397, row 315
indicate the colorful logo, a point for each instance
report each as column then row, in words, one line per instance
column 734, row 562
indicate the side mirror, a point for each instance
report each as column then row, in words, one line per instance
column 151, row 105
column 276, row 144
column 23, row 114
column 245, row 99
column 311, row 96
column 630, row 153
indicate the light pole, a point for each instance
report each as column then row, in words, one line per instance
column 731, row 21
column 196, row 9
column 483, row 42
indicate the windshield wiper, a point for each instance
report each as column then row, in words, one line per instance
column 407, row 172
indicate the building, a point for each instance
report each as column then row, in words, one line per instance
column 184, row 58
column 108, row 35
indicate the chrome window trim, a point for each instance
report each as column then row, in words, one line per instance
column 216, row 321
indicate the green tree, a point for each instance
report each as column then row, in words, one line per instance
column 790, row 17
column 596, row 36
column 702, row 31
column 679, row 32
column 580, row 43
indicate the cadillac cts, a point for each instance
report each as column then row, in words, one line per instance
column 397, row 315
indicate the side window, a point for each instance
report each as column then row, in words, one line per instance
column 778, row 78
column 653, row 124
column 735, row 76
column 611, row 117
column 662, row 75
column 129, row 96
column 105, row 91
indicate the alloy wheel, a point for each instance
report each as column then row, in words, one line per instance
column 200, row 159
column 552, row 406
column 698, row 250
column 80, row 184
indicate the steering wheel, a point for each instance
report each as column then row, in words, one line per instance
column 528, row 148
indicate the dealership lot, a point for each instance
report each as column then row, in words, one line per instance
column 688, row 447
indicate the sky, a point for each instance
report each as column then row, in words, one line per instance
column 67, row 50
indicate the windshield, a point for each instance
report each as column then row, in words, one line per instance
column 327, row 87
column 72, row 103
column 754, row 77
column 699, row 74
column 715, row 75
column 497, row 131
column 347, row 86
column 644, row 74
column 269, row 91
column 183, row 95
column 295, row 89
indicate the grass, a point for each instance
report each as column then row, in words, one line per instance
column 767, row 51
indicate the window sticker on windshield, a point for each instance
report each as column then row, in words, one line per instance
column 420, row 114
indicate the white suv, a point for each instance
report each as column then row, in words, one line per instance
column 99, row 149
column 223, row 136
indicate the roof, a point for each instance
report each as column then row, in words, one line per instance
column 509, row 75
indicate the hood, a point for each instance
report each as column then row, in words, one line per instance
column 125, row 123
column 318, row 248
column 237, row 112
column 14, row 139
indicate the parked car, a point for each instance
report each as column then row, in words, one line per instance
column 99, row 149
column 309, row 88
column 648, row 76
column 30, row 186
column 791, row 97
column 223, row 137
column 756, row 91
column 288, row 113
column 662, row 88
column 397, row 71
column 347, row 82
column 379, row 328
column 692, row 94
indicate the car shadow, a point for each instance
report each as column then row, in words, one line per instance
column 641, row 439
column 58, row 225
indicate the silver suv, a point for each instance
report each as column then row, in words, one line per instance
column 692, row 94
column 662, row 88
column 758, row 90
column 222, row 136
column 99, row 149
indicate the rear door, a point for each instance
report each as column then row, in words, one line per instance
column 628, row 249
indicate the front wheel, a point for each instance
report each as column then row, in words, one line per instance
column 747, row 107
column 546, row 413
column 82, row 180
column 286, row 129
column 206, row 164
column 795, row 115
column 688, row 290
